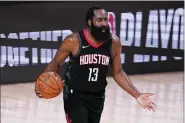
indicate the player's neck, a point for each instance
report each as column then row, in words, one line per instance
column 91, row 38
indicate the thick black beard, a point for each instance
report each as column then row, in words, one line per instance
column 100, row 36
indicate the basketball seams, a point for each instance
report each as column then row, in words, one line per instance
column 47, row 84
column 54, row 79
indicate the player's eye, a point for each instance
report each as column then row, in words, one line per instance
column 99, row 20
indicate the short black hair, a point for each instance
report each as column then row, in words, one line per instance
column 90, row 12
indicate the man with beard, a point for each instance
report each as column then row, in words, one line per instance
column 92, row 51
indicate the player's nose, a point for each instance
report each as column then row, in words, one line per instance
column 104, row 23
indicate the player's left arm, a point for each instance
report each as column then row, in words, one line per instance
column 118, row 74
column 122, row 79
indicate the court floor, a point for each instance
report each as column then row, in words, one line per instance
column 20, row 105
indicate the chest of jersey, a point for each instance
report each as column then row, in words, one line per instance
column 87, row 70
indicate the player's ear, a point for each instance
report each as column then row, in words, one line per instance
column 89, row 22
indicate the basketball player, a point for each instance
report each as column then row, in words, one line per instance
column 92, row 51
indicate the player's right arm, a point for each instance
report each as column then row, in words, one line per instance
column 67, row 47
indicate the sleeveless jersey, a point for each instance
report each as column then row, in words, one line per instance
column 88, row 69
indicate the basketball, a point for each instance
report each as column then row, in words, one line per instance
column 49, row 85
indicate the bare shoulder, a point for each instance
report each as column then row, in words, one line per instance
column 115, row 37
column 71, row 39
column 70, row 43
column 115, row 41
column 116, row 45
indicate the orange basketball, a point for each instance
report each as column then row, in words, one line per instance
column 49, row 85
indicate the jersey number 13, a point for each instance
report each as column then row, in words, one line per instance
column 93, row 74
